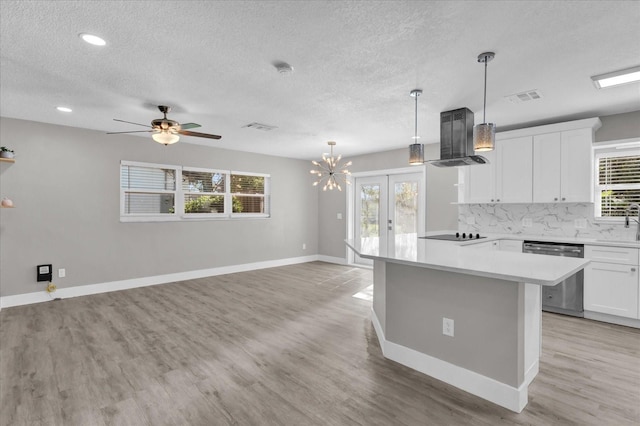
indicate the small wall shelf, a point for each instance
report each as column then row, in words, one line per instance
column 8, row 160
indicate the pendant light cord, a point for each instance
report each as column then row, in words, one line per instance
column 484, row 109
column 415, row 139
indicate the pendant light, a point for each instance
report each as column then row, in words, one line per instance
column 416, row 150
column 484, row 135
column 331, row 170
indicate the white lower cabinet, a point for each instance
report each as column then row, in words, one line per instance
column 511, row 245
column 611, row 287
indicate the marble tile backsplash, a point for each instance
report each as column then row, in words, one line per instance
column 567, row 220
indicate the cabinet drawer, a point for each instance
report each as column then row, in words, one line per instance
column 511, row 245
column 626, row 256
column 611, row 289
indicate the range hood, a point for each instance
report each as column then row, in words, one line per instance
column 456, row 140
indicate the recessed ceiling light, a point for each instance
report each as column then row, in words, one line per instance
column 64, row 109
column 616, row 78
column 92, row 39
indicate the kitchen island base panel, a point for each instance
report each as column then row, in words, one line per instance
column 496, row 345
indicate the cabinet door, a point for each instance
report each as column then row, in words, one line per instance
column 576, row 180
column 611, row 289
column 480, row 181
column 546, row 168
column 514, row 170
column 489, row 245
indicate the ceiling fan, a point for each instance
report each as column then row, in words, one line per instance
column 166, row 131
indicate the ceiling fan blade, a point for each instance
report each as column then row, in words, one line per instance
column 199, row 135
column 135, row 131
column 185, row 126
column 137, row 124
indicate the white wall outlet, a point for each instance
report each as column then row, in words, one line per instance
column 471, row 220
column 340, row 216
column 304, row 246
column 580, row 223
column 447, row 326
column 62, row 273
column 527, row 222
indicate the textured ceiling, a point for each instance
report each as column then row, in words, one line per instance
column 355, row 64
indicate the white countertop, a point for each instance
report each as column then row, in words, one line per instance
column 458, row 257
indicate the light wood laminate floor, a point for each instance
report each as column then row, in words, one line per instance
column 280, row 346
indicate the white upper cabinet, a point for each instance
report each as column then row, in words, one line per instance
column 514, row 170
column 576, row 171
column 480, row 181
column 546, row 168
column 507, row 177
column 545, row 164
column 563, row 167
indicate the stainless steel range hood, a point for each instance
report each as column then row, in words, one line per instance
column 456, row 140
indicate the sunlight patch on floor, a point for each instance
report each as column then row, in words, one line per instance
column 365, row 293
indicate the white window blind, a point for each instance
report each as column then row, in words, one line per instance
column 147, row 189
column 617, row 181
column 204, row 191
column 249, row 193
column 152, row 192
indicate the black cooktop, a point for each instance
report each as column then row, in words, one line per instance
column 454, row 237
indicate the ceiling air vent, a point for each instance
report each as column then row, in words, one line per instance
column 259, row 126
column 526, row 96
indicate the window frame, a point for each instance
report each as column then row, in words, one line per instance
column 149, row 217
column 180, row 194
column 612, row 149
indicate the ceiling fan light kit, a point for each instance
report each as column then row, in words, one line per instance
column 416, row 150
column 484, row 135
column 166, row 131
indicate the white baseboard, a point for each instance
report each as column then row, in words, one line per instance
column 613, row 319
column 332, row 259
column 514, row 399
column 85, row 290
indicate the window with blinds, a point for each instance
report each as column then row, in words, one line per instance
column 617, row 181
column 248, row 193
column 204, row 191
column 147, row 190
column 150, row 192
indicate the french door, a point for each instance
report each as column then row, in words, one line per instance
column 388, row 212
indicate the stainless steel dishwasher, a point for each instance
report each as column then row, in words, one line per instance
column 567, row 296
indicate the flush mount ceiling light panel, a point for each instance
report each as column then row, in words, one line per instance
column 484, row 135
column 617, row 78
column 416, row 150
column 92, row 39
column 63, row 109
column 331, row 170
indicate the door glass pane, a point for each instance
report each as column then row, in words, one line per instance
column 369, row 215
column 406, row 214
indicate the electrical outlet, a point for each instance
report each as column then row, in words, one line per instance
column 62, row 273
column 304, row 246
column 471, row 220
column 339, row 216
column 447, row 326
column 580, row 223
column 527, row 222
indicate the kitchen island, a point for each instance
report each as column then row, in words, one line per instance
column 489, row 302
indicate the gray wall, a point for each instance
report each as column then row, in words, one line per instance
column 619, row 126
column 440, row 193
column 65, row 185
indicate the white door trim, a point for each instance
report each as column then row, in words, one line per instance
column 351, row 201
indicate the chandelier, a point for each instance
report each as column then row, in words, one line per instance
column 331, row 170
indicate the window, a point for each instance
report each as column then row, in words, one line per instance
column 249, row 193
column 149, row 192
column 617, row 178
